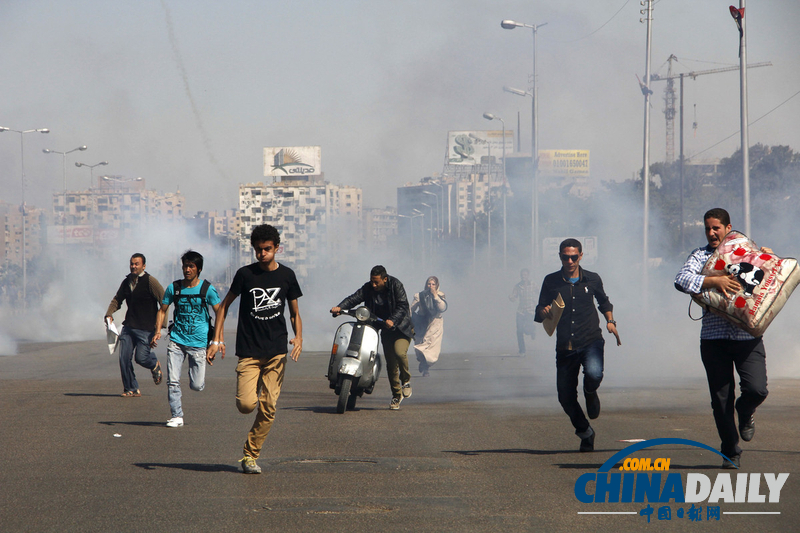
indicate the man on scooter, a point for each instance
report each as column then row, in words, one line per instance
column 385, row 296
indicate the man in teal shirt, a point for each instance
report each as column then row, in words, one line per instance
column 189, row 333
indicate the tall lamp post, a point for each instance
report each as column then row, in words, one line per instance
column 438, row 216
column 64, row 213
column 738, row 16
column 510, row 25
column 24, row 241
column 489, row 116
column 411, row 223
column 91, row 170
column 430, row 227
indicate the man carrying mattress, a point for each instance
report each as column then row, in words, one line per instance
column 724, row 346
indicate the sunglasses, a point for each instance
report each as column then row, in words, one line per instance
column 565, row 257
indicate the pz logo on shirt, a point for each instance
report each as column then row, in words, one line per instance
column 264, row 299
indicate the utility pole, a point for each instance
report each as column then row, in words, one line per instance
column 648, row 14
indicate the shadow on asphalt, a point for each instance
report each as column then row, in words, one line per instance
column 92, row 394
column 114, row 423
column 327, row 409
column 195, row 467
column 515, row 450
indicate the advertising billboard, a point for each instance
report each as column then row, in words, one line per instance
column 286, row 161
column 467, row 147
column 566, row 163
column 70, row 234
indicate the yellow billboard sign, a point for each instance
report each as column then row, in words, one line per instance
column 572, row 163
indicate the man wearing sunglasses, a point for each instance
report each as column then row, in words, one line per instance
column 579, row 339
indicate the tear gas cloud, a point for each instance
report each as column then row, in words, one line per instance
column 392, row 90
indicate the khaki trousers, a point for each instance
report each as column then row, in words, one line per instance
column 258, row 384
column 395, row 350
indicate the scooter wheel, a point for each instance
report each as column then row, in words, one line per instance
column 344, row 394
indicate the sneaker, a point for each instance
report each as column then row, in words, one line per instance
column 733, row 464
column 426, row 374
column 406, row 390
column 747, row 428
column 175, row 422
column 249, row 465
column 395, row 403
column 587, row 444
column 157, row 374
column 592, row 404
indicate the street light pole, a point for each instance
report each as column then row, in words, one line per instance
column 22, row 209
column 648, row 13
column 411, row 223
column 91, row 170
column 738, row 16
column 510, row 25
column 64, row 212
column 489, row 116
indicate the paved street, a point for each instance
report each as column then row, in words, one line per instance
column 482, row 445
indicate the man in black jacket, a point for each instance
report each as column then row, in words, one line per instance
column 579, row 339
column 143, row 294
column 385, row 296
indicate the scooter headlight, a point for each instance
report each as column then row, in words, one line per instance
column 362, row 314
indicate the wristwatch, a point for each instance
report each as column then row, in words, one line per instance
column 612, row 322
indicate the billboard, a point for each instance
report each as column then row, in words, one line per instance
column 467, row 147
column 566, row 163
column 292, row 161
column 84, row 234
column 70, row 234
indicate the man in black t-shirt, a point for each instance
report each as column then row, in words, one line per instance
column 261, row 336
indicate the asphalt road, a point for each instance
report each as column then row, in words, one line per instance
column 482, row 445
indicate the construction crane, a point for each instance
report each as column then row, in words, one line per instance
column 669, row 95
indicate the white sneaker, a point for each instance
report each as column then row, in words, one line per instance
column 175, row 422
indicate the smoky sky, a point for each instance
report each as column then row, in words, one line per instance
column 187, row 94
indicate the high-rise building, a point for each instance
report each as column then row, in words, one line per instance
column 319, row 222
column 11, row 245
column 111, row 210
column 380, row 225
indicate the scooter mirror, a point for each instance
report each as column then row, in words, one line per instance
column 362, row 314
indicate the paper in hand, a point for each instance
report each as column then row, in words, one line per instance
column 556, row 308
column 112, row 336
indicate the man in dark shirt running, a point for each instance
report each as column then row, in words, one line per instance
column 142, row 293
column 579, row 339
column 385, row 296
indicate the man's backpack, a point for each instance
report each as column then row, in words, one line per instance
column 177, row 287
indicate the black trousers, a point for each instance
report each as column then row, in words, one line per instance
column 750, row 360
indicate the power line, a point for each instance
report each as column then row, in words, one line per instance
column 750, row 123
column 185, row 77
column 598, row 29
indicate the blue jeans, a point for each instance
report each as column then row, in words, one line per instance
column 176, row 354
column 134, row 342
column 525, row 326
column 568, row 365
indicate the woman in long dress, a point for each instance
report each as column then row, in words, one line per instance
column 426, row 313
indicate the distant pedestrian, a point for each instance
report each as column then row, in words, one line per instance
column 261, row 336
column 427, row 308
column 188, row 335
column 142, row 293
column 526, row 310
column 579, row 339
